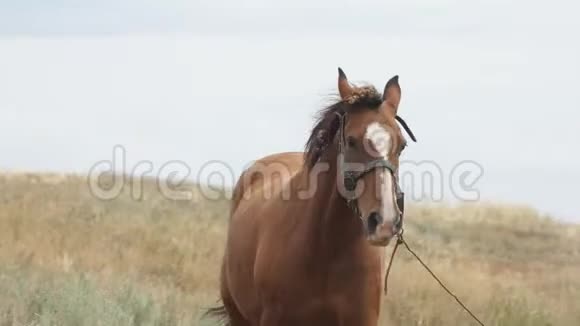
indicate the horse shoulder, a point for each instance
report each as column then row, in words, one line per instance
column 268, row 174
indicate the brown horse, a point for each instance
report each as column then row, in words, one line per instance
column 307, row 230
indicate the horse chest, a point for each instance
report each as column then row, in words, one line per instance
column 314, row 288
column 330, row 310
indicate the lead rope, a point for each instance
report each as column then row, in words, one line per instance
column 401, row 240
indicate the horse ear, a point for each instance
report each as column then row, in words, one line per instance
column 344, row 88
column 392, row 93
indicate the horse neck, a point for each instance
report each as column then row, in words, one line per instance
column 333, row 223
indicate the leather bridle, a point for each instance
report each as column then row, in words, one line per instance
column 351, row 177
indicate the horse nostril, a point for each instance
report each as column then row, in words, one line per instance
column 373, row 222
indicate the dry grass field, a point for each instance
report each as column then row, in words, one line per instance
column 67, row 258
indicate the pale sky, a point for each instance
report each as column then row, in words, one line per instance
column 493, row 82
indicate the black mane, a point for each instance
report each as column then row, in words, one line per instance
column 327, row 122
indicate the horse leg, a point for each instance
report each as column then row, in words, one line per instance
column 234, row 316
column 270, row 318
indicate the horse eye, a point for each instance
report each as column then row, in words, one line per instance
column 403, row 146
column 351, row 141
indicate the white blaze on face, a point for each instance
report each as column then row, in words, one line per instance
column 380, row 139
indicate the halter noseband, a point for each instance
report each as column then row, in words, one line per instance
column 351, row 177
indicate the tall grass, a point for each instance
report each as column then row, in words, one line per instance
column 67, row 258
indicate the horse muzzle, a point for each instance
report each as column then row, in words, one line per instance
column 380, row 232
